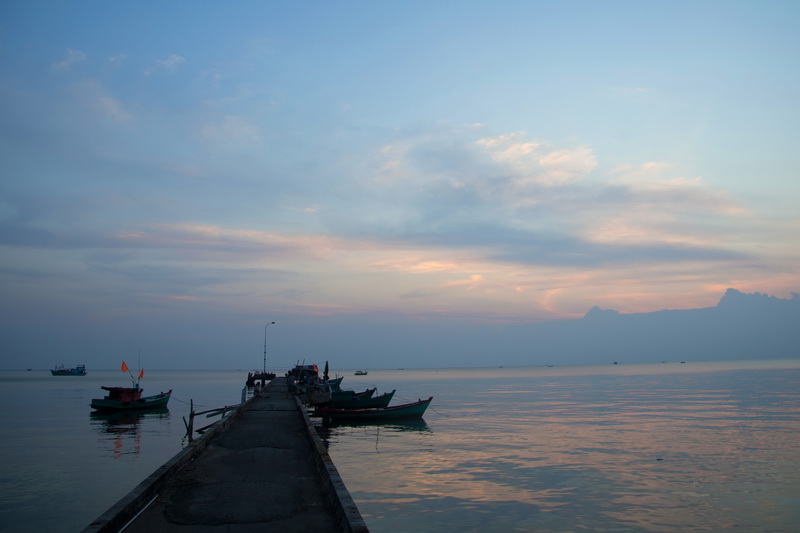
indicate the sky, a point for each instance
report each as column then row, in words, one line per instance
column 391, row 183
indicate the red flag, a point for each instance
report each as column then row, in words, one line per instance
column 124, row 367
column 141, row 373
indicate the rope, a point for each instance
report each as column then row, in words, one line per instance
column 188, row 403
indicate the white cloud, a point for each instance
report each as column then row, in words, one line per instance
column 509, row 149
column 648, row 185
column 566, row 166
column 530, row 164
column 172, row 61
column 98, row 98
column 231, row 127
column 112, row 108
column 73, row 57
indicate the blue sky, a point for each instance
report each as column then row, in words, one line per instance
column 380, row 178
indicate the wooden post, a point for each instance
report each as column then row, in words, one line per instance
column 191, row 419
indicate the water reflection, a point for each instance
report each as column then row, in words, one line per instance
column 648, row 452
column 394, row 425
column 122, row 430
column 375, row 430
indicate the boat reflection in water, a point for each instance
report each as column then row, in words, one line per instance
column 123, row 429
column 370, row 430
column 403, row 424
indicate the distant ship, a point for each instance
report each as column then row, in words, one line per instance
column 61, row 370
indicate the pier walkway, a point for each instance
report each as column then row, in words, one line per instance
column 263, row 469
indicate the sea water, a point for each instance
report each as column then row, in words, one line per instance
column 660, row 447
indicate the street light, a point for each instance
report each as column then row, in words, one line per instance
column 265, row 349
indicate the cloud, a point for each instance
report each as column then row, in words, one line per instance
column 507, row 199
column 112, row 108
column 531, row 163
column 649, row 184
column 171, row 61
column 230, row 129
column 439, row 220
column 102, row 101
column 73, row 57
column 168, row 64
column 471, row 283
column 213, row 239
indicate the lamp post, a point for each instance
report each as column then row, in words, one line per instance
column 264, row 376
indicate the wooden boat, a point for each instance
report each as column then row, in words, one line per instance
column 408, row 410
column 352, row 395
column 305, row 373
column 336, row 384
column 358, row 402
column 253, row 377
column 128, row 398
column 361, row 372
column 61, row 370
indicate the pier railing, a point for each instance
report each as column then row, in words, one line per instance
column 120, row 514
column 209, row 413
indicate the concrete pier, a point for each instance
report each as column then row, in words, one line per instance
column 262, row 469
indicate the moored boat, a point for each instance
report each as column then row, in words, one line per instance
column 408, row 410
column 361, row 372
column 350, row 395
column 61, row 370
column 129, row 398
column 336, row 384
column 360, row 402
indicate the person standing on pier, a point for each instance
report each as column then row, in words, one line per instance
column 289, row 384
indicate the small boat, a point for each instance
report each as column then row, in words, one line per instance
column 353, row 395
column 336, row 384
column 358, row 402
column 253, row 377
column 361, row 372
column 305, row 372
column 128, row 398
column 408, row 410
column 61, row 370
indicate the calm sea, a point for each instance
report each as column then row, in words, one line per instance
column 662, row 447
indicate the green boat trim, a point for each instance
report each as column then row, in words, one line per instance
column 123, row 399
column 357, row 402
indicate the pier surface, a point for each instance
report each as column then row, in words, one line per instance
column 264, row 470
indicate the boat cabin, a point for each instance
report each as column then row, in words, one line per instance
column 123, row 394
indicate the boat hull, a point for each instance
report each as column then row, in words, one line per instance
column 336, row 384
column 352, row 395
column 61, row 371
column 148, row 402
column 356, row 402
column 409, row 410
